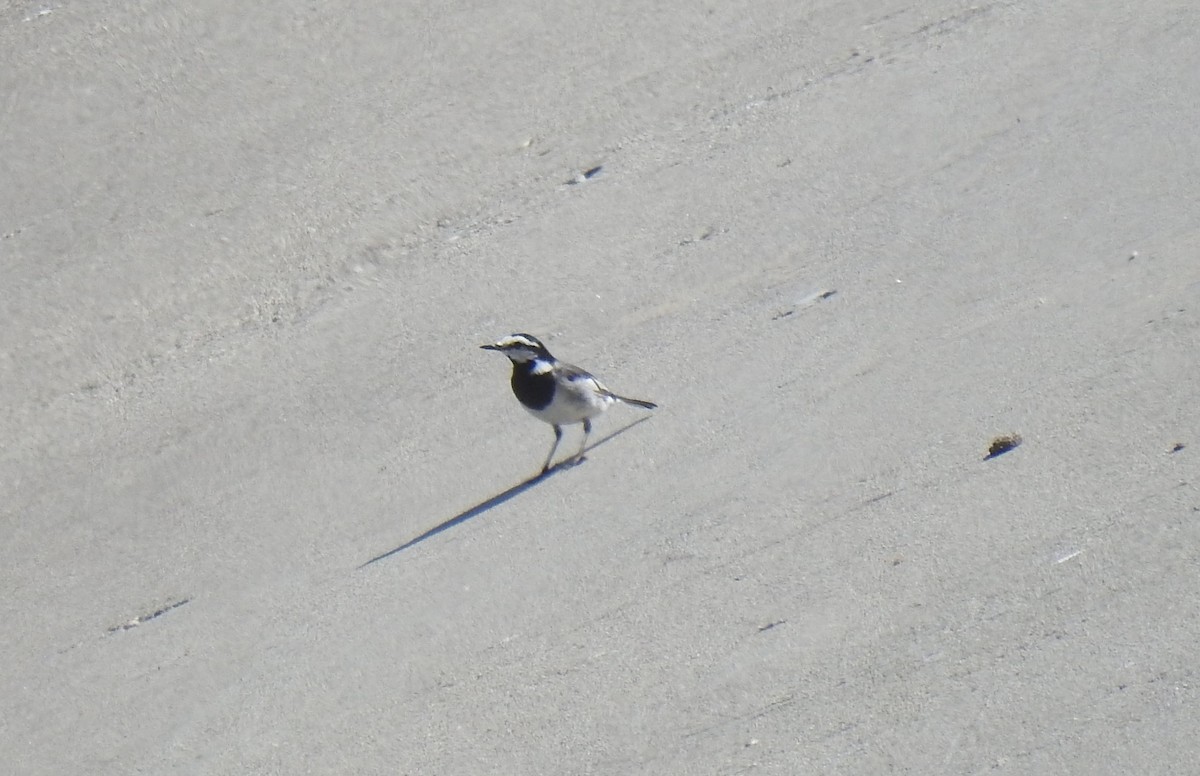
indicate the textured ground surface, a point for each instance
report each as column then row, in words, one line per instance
column 249, row 252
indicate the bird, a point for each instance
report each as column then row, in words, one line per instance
column 555, row 392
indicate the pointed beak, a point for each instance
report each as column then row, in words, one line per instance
column 488, row 347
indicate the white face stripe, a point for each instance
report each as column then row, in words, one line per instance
column 523, row 348
column 541, row 366
column 517, row 341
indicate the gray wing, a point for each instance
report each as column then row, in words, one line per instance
column 584, row 382
column 588, row 387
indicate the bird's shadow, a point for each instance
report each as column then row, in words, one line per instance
column 501, row 498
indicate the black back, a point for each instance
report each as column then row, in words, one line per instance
column 534, row 391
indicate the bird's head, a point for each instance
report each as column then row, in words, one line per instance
column 521, row 348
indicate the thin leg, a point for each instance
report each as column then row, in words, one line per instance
column 587, row 429
column 553, row 447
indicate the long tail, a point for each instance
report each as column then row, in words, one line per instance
column 647, row 404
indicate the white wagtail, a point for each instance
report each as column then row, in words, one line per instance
column 554, row 392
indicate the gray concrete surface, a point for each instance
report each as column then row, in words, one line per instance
column 249, row 252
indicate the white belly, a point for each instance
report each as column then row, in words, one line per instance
column 572, row 406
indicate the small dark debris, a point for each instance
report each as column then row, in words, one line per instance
column 707, row 233
column 1178, row 446
column 770, row 625
column 1002, row 444
column 136, row 621
column 586, row 175
column 880, row 497
column 816, row 296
